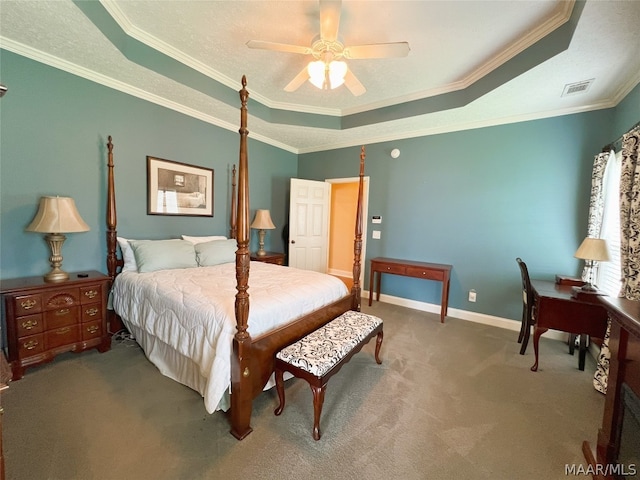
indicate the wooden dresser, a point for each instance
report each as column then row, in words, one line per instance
column 617, row 454
column 46, row 319
column 270, row 257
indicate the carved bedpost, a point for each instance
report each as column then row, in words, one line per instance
column 114, row 322
column 241, row 390
column 357, row 243
column 111, row 215
column 233, row 231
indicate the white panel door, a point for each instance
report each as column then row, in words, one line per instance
column 309, row 224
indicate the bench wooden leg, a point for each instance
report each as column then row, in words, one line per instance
column 280, row 388
column 318, row 400
column 378, row 345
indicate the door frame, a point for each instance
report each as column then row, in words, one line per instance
column 365, row 222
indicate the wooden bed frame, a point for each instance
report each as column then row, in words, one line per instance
column 253, row 359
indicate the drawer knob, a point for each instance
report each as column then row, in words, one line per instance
column 90, row 293
column 30, row 345
column 62, row 312
column 93, row 329
column 29, row 324
column 92, row 312
column 62, row 331
column 28, row 304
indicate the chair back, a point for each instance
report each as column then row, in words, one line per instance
column 527, row 291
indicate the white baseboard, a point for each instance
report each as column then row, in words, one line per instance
column 482, row 318
column 594, row 350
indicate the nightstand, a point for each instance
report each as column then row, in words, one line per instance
column 46, row 319
column 269, row 257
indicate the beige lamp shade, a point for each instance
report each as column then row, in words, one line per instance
column 57, row 215
column 263, row 221
column 593, row 249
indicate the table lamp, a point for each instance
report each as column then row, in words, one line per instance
column 55, row 217
column 262, row 222
column 592, row 250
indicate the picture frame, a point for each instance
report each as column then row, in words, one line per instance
column 175, row 188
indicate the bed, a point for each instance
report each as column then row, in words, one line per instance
column 199, row 327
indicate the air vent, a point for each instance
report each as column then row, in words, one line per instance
column 575, row 88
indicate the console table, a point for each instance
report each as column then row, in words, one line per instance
column 429, row 271
column 617, row 449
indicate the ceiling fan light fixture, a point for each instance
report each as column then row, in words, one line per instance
column 327, row 75
column 316, row 73
column 337, row 72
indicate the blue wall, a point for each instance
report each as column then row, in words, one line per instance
column 53, row 142
column 477, row 199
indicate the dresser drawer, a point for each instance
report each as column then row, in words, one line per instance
column 61, row 336
column 91, row 330
column 398, row 269
column 61, row 317
column 91, row 312
column 27, row 304
column 30, row 345
column 29, row 325
column 91, row 294
column 424, row 273
column 58, row 299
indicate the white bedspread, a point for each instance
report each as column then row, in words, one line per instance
column 192, row 310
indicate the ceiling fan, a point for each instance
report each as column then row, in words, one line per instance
column 329, row 70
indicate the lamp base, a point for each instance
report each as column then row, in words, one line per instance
column 55, row 241
column 56, row 275
column 588, row 294
column 588, row 288
column 261, row 251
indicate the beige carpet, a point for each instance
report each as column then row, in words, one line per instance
column 449, row 401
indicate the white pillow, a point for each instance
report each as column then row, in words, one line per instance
column 152, row 255
column 129, row 258
column 196, row 240
column 216, row 252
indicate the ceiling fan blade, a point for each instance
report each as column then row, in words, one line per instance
column 298, row 80
column 279, row 47
column 378, row 50
column 353, row 84
column 329, row 19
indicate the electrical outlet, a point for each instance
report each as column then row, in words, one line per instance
column 472, row 295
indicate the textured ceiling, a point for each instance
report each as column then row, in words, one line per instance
column 471, row 64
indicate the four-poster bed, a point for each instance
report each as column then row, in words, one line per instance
column 249, row 348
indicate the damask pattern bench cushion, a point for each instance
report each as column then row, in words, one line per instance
column 323, row 352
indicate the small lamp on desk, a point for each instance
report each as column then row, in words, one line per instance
column 592, row 250
column 55, row 217
column 262, row 222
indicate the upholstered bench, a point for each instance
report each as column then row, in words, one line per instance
column 322, row 353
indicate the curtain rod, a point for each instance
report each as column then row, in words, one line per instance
column 618, row 143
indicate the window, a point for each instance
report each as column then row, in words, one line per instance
column 609, row 274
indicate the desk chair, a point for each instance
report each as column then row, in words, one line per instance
column 528, row 307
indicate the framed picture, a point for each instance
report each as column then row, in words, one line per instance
column 175, row 188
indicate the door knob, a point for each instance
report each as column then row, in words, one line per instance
column 293, row 241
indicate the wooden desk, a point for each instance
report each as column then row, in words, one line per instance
column 429, row 271
column 618, row 437
column 556, row 308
